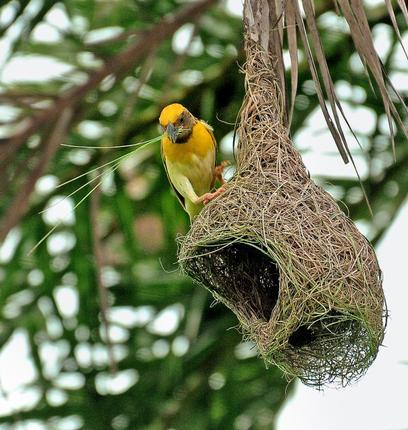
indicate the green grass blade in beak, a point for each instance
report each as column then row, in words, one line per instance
column 172, row 132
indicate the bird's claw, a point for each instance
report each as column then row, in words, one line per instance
column 218, row 170
column 207, row 197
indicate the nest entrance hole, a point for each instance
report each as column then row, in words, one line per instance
column 332, row 326
column 333, row 348
column 246, row 278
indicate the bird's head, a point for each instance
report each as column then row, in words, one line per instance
column 177, row 122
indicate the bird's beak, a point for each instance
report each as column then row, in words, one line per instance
column 172, row 132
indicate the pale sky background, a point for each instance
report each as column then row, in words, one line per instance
column 379, row 401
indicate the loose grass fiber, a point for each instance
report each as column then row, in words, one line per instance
column 277, row 250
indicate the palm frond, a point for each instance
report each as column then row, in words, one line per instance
column 300, row 19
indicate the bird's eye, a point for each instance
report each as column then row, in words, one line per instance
column 181, row 120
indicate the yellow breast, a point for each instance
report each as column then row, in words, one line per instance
column 199, row 144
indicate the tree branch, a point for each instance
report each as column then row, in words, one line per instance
column 102, row 291
column 117, row 65
column 20, row 204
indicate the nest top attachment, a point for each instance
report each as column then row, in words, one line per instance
column 277, row 250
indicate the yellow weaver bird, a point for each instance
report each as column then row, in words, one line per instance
column 189, row 149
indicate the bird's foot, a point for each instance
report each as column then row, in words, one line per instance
column 207, row 197
column 218, row 170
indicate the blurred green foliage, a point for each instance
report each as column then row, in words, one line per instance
column 181, row 361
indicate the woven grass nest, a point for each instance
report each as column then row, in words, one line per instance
column 277, row 250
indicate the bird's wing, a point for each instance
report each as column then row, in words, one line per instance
column 211, row 133
column 180, row 198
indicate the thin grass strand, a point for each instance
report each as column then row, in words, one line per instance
column 108, row 171
column 130, row 145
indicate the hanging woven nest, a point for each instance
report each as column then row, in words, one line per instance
column 277, row 250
